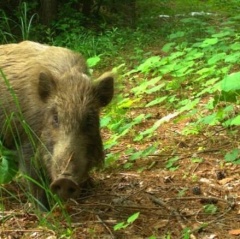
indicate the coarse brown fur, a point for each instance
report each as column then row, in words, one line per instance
column 45, row 90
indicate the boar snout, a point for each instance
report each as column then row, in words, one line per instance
column 65, row 188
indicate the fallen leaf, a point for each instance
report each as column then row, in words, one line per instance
column 160, row 224
column 225, row 180
column 235, row 232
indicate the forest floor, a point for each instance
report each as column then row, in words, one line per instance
column 201, row 194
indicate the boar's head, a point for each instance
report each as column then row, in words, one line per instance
column 70, row 136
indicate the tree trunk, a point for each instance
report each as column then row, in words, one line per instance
column 48, row 11
column 87, row 7
column 126, row 9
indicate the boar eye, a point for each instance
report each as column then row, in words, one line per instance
column 55, row 121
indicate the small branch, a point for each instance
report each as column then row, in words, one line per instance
column 172, row 210
column 107, row 228
column 231, row 206
column 200, row 198
column 27, row 230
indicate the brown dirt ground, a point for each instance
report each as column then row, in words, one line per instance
column 168, row 201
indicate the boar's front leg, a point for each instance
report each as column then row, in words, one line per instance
column 36, row 178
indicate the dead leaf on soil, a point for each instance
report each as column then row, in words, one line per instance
column 160, row 224
column 234, row 232
column 225, row 180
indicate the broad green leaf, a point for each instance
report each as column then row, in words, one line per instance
column 212, row 82
column 186, row 233
column 111, row 142
column 135, row 156
column 194, row 54
column 167, row 68
column 228, row 109
column 217, row 57
column 210, row 208
column 233, row 121
column 171, row 163
column 119, row 226
column 197, row 160
column 156, row 101
column 188, row 105
column 134, row 217
column 231, row 82
column 143, row 87
column 169, row 46
column 236, row 120
column 235, row 46
column 175, row 55
column 190, row 129
column 154, row 237
column 210, row 119
column 127, row 103
column 182, row 71
column 233, row 156
column 211, row 86
column 139, row 119
column 93, row 61
column 130, row 220
column 105, row 121
column 8, row 167
column 154, row 80
column 222, row 71
column 230, row 96
column 206, row 70
column 155, row 88
column 233, row 58
column 140, row 89
column 209, row 42
column 222, row 34
column 149, row 64
column 143, row 153
column 177, row 35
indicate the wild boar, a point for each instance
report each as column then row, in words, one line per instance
column 49, row 114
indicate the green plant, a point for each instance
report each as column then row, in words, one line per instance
column 5, row 28
column 8, row 164
column 210, row 208
column 168, row 236
column 172, row 163
column 152, row 237
column 186, row 233
column 233, row 156
column 25, row 23
column 93, row 61
column 130, row 220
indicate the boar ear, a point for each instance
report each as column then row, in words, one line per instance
column 104, row 87
column 46, row 85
